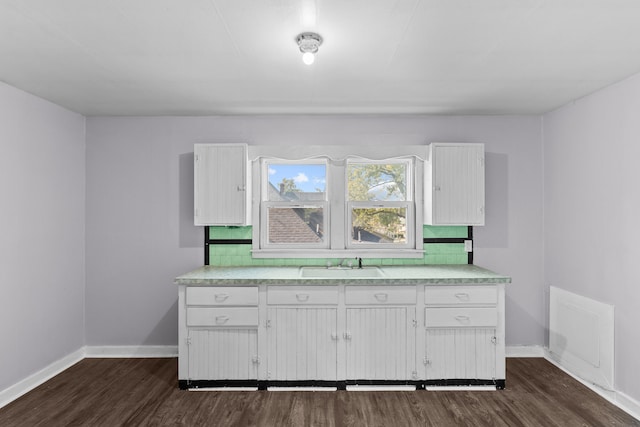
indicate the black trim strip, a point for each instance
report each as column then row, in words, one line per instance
column 230, row 241
column 445, row 240
column 206, row 245
column 470, row 254
column 340, row 385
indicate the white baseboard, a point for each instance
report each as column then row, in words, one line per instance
column 617, row 398
column 10, row 394
column 524, row 351
column 628, row 404
column 15, row 391
column 131, row 351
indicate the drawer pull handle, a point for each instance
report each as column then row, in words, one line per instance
column 381, row 296
column 221, row 297
column 302, row 297
column 222, row 319
column 462, row 296
column 462, row 319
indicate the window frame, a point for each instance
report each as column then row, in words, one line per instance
column 266, row 204
column 336, row 219
column 408, row 204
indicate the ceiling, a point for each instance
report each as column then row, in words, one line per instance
column 216, row 57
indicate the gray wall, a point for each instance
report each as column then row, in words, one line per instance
column 592, row 207
column 42, row 191
column 140, row 197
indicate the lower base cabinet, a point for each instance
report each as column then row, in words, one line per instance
column 302, row 344
column 380, row 343
column 434, row 334
column 455, row 354
column 223, row 354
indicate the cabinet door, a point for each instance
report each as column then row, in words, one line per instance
column 460, row 354
column 302, row 344
column 456, row 172
column 380, row 343
column 220, row 184
column 223, row 354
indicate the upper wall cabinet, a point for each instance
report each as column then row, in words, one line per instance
column 220, row 184
column 454, row 184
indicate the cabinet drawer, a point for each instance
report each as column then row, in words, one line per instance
column 222, row 296
column 224, row 316
column 367, row 295
column 454, row 295
column 461, row 317
column 307, row 295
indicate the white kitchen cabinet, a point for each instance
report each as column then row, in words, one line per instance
column 380, row 343
column 380, row 333
column 302, row 333
column 464, row 334
column 338, row 335
column 218, row 335
column 220, row 184
column 454, row 184
column 460, row 353
column 302, row 344
column 223, row 354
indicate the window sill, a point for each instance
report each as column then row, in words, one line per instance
column 344, row 253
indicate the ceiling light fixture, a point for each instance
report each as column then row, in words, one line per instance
column 308, row 44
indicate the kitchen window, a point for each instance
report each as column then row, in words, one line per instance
column 294, row 205
column 337, row 203
column 379, row 204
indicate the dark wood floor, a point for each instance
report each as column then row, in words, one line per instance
column 114, row 392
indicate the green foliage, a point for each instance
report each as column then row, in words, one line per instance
column 378, row 182
column 288, row 185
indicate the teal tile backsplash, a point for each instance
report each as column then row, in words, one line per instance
column 239, row 253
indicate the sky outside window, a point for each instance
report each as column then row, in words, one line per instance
column 307, row 178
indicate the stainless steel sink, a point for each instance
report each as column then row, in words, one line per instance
column 341, row 273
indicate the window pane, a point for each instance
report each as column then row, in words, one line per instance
column 379, row 225
column 296, row 182
column 379, row 182
column 296, row 225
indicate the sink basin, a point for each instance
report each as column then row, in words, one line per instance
column 341, row 273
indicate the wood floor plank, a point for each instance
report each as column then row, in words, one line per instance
column 144, row 392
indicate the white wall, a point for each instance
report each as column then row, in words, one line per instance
column 42, row 215
column 592, row 208
column 140, row 197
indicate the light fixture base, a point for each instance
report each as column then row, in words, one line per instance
column 309, row 42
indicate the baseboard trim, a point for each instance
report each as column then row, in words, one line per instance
column 10, row 394
column 131, row 351
column 524, row 351
column 617, row 398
